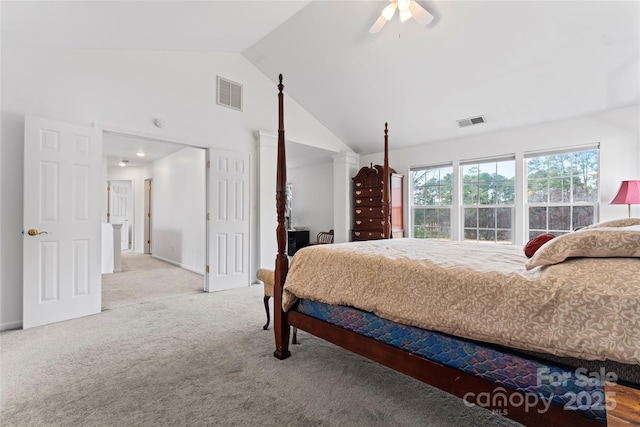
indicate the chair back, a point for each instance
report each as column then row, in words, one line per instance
column 325, row 237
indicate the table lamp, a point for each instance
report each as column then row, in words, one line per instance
column 628, row 194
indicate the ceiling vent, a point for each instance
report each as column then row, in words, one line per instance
column 470, row 121
column 229, row 94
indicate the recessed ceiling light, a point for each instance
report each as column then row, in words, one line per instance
column 140, row 154
column 123, row 162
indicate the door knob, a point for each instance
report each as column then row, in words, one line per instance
column 35, row 232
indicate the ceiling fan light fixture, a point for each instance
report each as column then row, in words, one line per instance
column 408, row 9
column 389, row 11
column 405, row 15
column 404, row 5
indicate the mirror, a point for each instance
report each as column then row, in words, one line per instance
column 288, row 206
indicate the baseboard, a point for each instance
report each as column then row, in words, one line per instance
column 11, row 325
column 177, row 264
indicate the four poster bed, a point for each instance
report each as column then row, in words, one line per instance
column 469, row 318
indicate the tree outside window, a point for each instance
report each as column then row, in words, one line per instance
column 488, row 196
column 562, row 191
column 432, row 197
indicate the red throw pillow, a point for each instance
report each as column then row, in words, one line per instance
column 534, row 244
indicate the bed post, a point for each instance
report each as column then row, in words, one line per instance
column 386, row 225
column 280, row 321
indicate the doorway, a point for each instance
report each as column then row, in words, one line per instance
column 120, row 210
column 134, row 166
column 147, row 216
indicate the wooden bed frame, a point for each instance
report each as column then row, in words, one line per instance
column 445, row 378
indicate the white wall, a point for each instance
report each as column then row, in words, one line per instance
column 267, row 220
column 617, row 131
column 126, row 90
column 179, row 209
column 12, row 171
column 312, row 203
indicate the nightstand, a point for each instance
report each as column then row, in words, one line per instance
column 296, row 239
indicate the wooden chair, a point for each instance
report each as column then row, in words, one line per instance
column 267, row 277
column 324, row 237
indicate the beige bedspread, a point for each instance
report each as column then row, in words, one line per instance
column 585, row 307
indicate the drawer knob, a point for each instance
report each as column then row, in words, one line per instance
column 358, row 211
column 358, row 192
column 358, row 222
column 358, row 201
column 357, row 233
column 358, row 184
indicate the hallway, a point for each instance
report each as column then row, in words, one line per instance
column 145, row 279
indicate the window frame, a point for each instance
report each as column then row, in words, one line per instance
column 494, row 206
column 413, row 207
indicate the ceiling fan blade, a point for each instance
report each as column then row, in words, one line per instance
column 389, row 11
column 378, row 24
column 420, row 14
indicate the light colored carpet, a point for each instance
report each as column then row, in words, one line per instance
column 146, row 279
column 199, row 359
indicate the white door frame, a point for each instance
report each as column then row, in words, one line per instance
column 147, row 236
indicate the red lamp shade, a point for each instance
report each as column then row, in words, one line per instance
column 628, row 194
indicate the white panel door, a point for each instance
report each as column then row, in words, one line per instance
column 61, row 270
column 228, row 207
column 121, row 209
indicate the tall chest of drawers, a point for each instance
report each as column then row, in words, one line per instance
column 368, row 218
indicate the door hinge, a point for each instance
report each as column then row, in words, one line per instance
column 148, row 242
column 208, row 216
column 208, row 164
column 108, row 188
column 207, row 269
column 149, row 188
column 149, row 215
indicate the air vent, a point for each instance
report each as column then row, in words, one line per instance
column 470, row 121
column 229, row 94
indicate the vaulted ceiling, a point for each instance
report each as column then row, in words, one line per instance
column 514, row 62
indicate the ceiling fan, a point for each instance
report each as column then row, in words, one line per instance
column 408, row 9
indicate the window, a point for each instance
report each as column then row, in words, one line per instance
column 488, row 194
column 562, row 191
column 432, row 196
